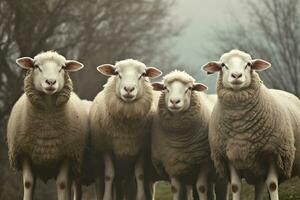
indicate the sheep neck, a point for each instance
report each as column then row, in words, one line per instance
column 45, row 102
column 119, row 109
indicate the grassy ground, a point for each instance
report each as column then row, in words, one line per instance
column 290, row 190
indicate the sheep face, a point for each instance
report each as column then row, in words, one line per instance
column 178, row 94
column 48, row 70
column 130, row 76
column 236, row 67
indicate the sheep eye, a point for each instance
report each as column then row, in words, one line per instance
column 223, row 65
column 62, row 68
column 189, row 88
column 142, row 75
column 248, row 65
column 37, row 67
column 165, row 88
column 120, row 76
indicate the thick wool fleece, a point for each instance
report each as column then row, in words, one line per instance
column 180, row 142
column 47, row 130
column 252, row 126
column 119, row 127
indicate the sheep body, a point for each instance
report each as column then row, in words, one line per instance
column 120, row 127
column 47, row 135
column 251, row 126
column 180, row 142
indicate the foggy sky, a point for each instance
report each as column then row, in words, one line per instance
column 203, row 17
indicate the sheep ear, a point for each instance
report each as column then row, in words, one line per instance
column 107, row 69
column 260, row 65
column 158, row 86
column 73, row 65
column 153, row 72
column 199, row 87
column 212, row 67
column 25, row 62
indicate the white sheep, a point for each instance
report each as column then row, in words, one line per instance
column 48, row 125
column 254, row 131
column 180, row 147
column 120, row 121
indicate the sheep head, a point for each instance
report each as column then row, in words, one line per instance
column 236, row 68
column 178, row 87
column 48, row 69
column 130, row 76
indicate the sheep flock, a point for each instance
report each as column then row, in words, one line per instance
column 136, row 133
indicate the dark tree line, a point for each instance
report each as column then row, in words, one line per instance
column 272, row 33
column 92, row 31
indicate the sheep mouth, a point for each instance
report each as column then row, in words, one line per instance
column 50, row 90
column 236, row 82
column 128, row 97
column 174, row 108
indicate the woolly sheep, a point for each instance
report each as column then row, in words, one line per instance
column 254, row 131
column 47, row 127
column 180, row 147
column 120, row 121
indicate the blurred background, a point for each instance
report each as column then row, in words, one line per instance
column 168, row 34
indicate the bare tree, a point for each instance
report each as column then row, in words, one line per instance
column 273, row 33
column 93, row 31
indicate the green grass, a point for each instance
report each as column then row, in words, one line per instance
column 290, row 190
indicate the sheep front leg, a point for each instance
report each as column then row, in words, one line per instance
column 202, row 184
column 139, row 176
column 235, row 183
column 77, row 190
column 28, row 180
column 176, row 188
column 99, row 187
column 272, row 182
column 259, row 188
column 109, row 175
column 63, row 182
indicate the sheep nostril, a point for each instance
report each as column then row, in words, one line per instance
column 51, row 81
column 129, row 89
column 174, row 102
column 236, row 75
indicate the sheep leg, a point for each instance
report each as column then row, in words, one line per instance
column 235, row 183
column 259, row 188
column 99, row 187
column 109, row 175
column 176, row 188
column 77, row 192
column 189, row 192
column 28, row 180
column 272, row 182
column 140, row 177
column 63, row 182
column 201, row 184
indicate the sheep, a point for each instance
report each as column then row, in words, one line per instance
column 254, row 132
column 48, row 125
column 180, row 147
column 120, row 121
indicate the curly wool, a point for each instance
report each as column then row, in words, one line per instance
column 47, row 135
column 121, row 127
column 249, row 128
column 180, row 142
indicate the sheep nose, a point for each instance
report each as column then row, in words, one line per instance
column 129, row 89
column 50, row 81
column 236, row 75
column 174, row 102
